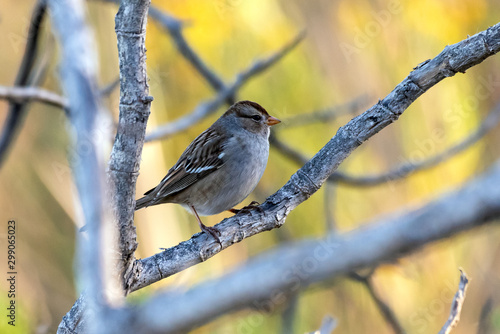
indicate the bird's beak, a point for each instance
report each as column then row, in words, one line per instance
column 272, row 121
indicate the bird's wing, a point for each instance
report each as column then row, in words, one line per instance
column 201, row 158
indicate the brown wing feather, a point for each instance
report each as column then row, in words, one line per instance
column 201, row 158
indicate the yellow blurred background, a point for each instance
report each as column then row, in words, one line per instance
column 352, row 49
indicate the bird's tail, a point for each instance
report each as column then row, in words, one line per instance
column 142, row 202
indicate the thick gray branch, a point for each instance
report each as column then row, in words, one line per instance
column 292, row 267
column 125, row 156
column 308, row 179
column 130, row 27
column 78, row 70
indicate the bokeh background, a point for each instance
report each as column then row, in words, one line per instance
column 352, row 49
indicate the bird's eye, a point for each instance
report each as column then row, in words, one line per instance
column 256, row 118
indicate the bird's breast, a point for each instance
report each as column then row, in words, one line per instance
column 244, row 163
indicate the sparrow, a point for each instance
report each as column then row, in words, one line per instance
column 220, row 168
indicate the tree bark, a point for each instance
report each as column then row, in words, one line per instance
column 130, row 27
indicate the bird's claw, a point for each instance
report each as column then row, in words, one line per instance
column 213, row 232
column 254, row 205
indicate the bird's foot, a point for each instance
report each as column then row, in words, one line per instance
column 214, row 232
column 254, row 205
column 207, row 229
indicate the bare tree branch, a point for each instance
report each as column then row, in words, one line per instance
column 135, row 103
column 489, row 123
column 78, row 76
column 294, row 266
column 20, row 95
column 368, row 246
column 456, row 306
column 130, row 27
column 17, row 110
column 174, row 28
column 308, row 179
column 384, row 309
column 207, row 108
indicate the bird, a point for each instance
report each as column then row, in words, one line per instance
column 220, row 167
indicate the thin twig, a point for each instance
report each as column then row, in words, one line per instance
column 17, row 111
column 328, row 114
column 20, row 95
column 456, row 305
column 489, row 123
column 206, row 108
column 387, row 312
column 285, row 149
column 174, row 27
